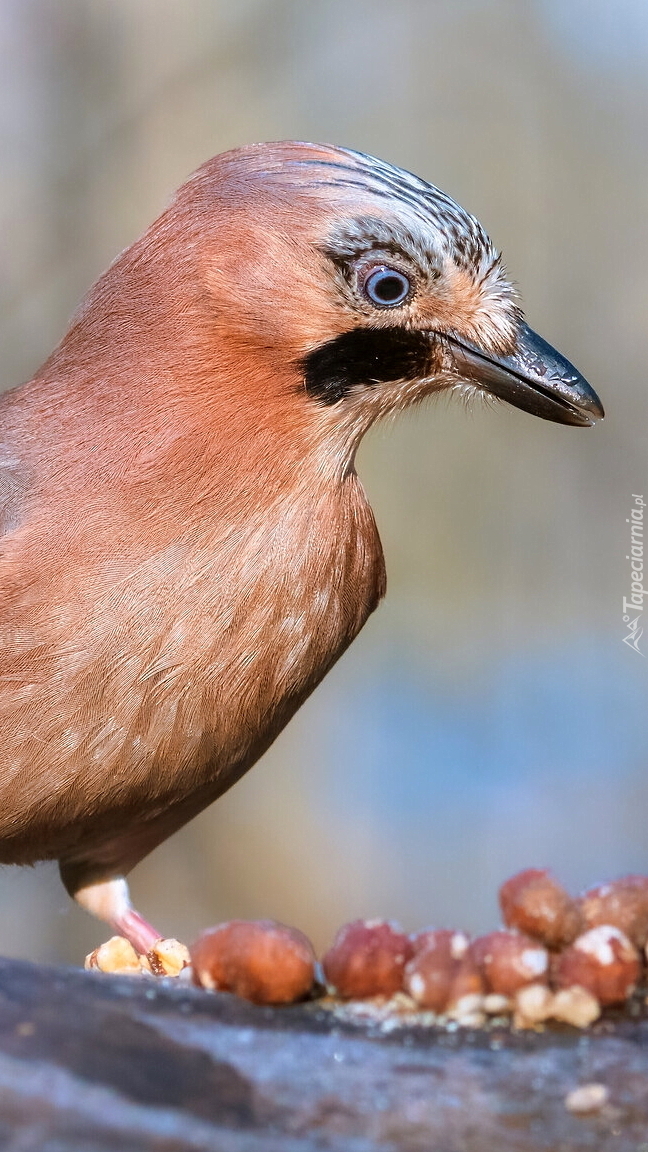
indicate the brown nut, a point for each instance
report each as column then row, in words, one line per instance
column 536, row 904
column 260, row 960
column 447, row 940
column 467, row 992
column 623, row 903
column 508, row 961
column 429, row 975
column 603, row 961
column 367, row 958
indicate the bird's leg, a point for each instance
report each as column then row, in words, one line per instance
column 109, row 900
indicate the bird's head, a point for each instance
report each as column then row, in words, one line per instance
column 342, row 288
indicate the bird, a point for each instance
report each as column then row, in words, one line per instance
column 186, row 548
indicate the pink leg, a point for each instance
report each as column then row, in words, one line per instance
column 109, row 901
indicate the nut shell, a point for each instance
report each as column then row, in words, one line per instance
column 603, row 962
column 367, row 958
column 509, row 961
column 535, row 903
column 260, row 960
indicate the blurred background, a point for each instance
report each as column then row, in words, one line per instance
column 490, row 716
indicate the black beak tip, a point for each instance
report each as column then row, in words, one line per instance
column 535, row 377
column 599, row 411
column 562, row 393
column 585, row 411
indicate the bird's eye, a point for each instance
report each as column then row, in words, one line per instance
column 386, row 287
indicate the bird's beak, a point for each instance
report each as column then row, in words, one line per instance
column 535, row 378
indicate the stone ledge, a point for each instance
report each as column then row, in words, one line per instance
column 92, row 1063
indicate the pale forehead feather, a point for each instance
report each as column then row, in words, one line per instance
column 432, row 218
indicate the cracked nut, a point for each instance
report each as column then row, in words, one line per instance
column 575, row 1006
column 168, row 957
column 587, row 1098
column 533, row 1005
column 497, row 1005
column 260, row 960
column 367, row 958
column 535, row 903
column 118, row 956
column 603, row 961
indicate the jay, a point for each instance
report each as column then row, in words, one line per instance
column 186, row 546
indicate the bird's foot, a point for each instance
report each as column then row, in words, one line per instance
column 109, row 900
column 119, row 957
column 138, row 947
column 127, row 922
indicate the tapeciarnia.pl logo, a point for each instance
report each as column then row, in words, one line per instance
column 633, row 605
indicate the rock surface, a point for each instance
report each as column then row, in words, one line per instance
column 91, row 1063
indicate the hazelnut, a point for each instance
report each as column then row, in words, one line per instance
column 117, row 955
column 603, row 961
column 468, row 979
column 260, row 960
column 367, row 958
column 623, row 903
column 508, row 961
column 535, row 903
column 454, row 944
column 430, row 973
column 467, row 994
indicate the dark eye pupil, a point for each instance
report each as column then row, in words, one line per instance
column 387, row 287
